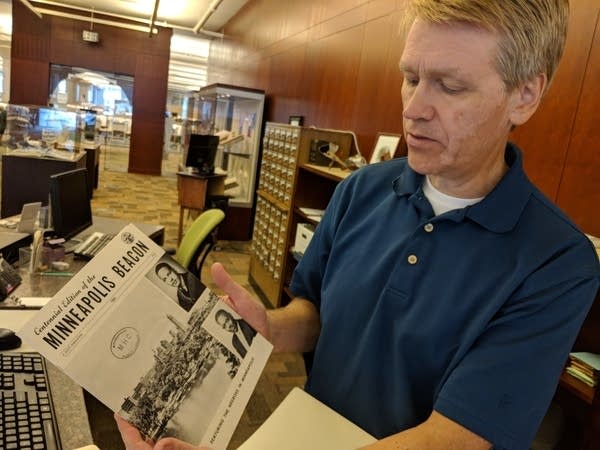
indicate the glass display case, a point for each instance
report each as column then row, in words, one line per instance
column 235, row 114
column 41, row 130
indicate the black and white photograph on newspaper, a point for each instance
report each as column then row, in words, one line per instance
column 152, row 343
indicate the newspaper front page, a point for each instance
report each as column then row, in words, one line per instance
column 148, row 340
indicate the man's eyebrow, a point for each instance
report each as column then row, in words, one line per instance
column 404, row 67
column 442, row 72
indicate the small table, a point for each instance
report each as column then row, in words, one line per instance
column 193, row 190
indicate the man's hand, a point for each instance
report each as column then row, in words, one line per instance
column 292, row 328
column 248, row 307
column 133, row 439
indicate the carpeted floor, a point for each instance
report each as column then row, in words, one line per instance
column 153, row 199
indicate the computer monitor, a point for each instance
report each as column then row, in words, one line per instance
column 88, row 116
column 52, row 126
column 70, row 204
column 201, row 153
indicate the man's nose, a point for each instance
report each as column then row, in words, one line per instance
column 418, row 103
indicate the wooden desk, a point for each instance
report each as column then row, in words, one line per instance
column 193, row 189
column 113, row 226
column 67, row 396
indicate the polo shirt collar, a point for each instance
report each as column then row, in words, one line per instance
column 499, row 211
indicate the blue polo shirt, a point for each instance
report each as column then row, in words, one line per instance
column 471, row 313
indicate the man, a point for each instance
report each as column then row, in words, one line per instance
column 242, row 334
column 2, row 120
column 451, row 333
column 188, row 286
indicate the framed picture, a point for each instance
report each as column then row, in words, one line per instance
column 385, row 148
column 296, row 120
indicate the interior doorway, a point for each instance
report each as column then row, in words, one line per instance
column 110, row 96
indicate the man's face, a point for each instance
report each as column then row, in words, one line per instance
column 227, row 322
column 456, row 114
column 169, row 276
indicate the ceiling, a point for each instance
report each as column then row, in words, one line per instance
column 198, row 16
column 194, row 23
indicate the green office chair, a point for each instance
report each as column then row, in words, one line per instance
column 199, row 240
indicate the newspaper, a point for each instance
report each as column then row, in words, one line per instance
column 150, row 341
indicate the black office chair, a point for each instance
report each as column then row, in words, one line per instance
column 199, row 240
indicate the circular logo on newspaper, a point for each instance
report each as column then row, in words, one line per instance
column 127, row 237
column 125, row 342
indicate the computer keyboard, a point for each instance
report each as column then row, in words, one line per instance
column 9, row 278
column 27, row 417
column 92, row 245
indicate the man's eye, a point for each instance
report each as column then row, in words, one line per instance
column 451, row 89
column 411, row 81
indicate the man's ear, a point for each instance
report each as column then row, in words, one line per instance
column 526, row 98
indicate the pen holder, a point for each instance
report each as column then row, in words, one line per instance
column 24, row 256
column 52, row 253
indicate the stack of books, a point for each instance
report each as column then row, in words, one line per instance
column 585, row 367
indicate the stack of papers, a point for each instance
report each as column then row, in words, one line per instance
column 302, row 422
column 313, row 213
column 585, row 367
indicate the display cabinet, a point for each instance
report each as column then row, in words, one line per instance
column 275, row 187
column 235, row 114
column 292, row 179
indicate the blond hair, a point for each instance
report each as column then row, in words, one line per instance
column 531, row 33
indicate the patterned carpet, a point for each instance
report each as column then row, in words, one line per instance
column 153, row 199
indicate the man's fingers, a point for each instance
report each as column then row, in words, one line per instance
column 227, row 284
column 251, row 310
column 132, row 438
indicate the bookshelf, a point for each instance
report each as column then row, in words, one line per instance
column 292, row 176
column 579, row 401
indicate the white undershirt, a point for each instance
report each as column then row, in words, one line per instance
column 441, row 202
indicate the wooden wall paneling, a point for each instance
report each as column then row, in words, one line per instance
column 64, row 30
column 579, row 193
column 312, row 80
column 300, row 16
column 274, row 28
column 144, row 136
column 339, row 64
column 29, row 57
column 380, row 8
column 378, row 104
column 28, row 82
column 333, row 8
column 149, row 100
column 545, row 138
column 38, row 42
column 25, row 21
column 248, row 72
column 349, row 19
column 244, row 26
column 286, row 84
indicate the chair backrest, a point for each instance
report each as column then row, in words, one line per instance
column 198, row 240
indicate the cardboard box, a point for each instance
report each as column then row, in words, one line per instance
column 304, row 233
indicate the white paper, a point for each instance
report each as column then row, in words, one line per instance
column 121, row 332
column 34, row 302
